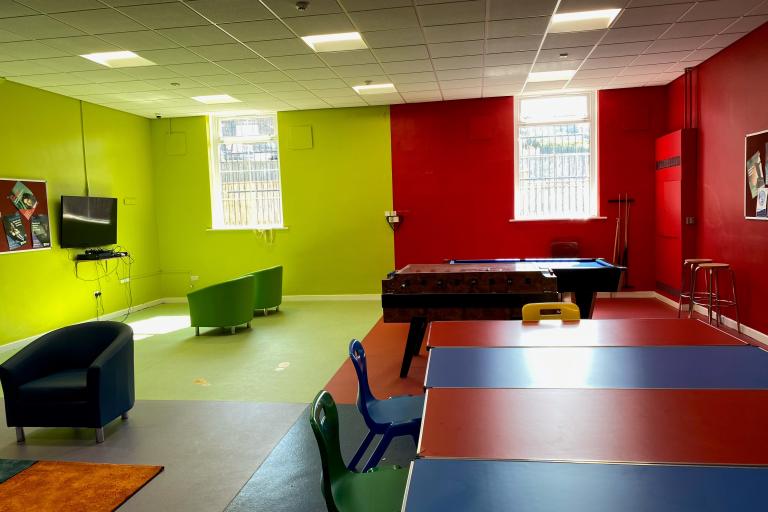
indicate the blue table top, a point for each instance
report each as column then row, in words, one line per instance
column 698, row 367
column 479, row 486
column 553, row 263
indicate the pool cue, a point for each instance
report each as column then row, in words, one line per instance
column 616, row 243
column 626, row 244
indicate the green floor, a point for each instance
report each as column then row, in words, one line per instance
column 285, row 357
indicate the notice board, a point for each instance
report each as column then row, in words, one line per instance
column 24, row 219
column 755, row 190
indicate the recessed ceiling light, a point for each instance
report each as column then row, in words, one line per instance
column 123, row 59
column 582, row 20
column 374, row 88
column 215, row 99
column 335, row 42
column 551, row 76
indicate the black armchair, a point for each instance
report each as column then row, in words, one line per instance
column 77, row 376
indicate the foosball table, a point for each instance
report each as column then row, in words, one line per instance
column 421, row 293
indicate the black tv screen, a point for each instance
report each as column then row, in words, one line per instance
column 88, row 221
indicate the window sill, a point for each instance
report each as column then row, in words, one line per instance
column 264, row 228
column 557, row 219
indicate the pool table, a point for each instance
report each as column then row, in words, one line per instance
column 583, row 277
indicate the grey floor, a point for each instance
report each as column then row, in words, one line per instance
column 209, row 449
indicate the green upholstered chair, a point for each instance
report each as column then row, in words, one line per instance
column 268, row 291
column 226, row 304
column 379, row 490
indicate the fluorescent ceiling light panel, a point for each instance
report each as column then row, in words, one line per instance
column 335, row 42
column 551, row 76
column 216, row 99
column 583, row 20
column 374, row 89
column 123, row 59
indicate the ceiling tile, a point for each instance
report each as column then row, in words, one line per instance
column 647, row 69
column 418, row 87
column 171, row 56
column 460, row 94
column 167, row 15
column 69, row 64
column 701, row 55
column 762, row 9
column 573, row 39
column 99, row 21
column 719, row 9
column 42, row 80
column 196, row 69
column 472, row 61
column 326, row 83
column 358, row 70
column 632, row 79
column 505, row 59
column 385, row 19
column 620, row 49
column 280, row 47
column 746, row 24
column 22, row 50
column 461, row 84
column 363, row 79
column 544, row 86
column 586, row 83
column 634, row 34
column 562, row 65
column 311, row 74
column 460, row 74
column 102, row 76
column 343, row 91
column 349, row 58
column 512, row 44
column 682, row 65
column 722, row 40
column 266, row 77
column 697, row 28
column 408, row 66
column 660, row 58
column 675, row 45
column 322, row 24
column 297, row 61
column 457, row 49
column 508, row 9
column 392, row 38
column 246, row 65
column 556, row 54
column 367, row 5
column 25, row 67
column 182, row 81
column 449, row 13
column 258, row 30
column 131, row 86
column 79, row 45
column 421, row 96
column 141, row 40
column 287, row 8
column 37, row 27
column 597, row 73
column 197, row 36
column 345, row 102
column 13, row 9
column 590, row 5
column 516, row 71
column 518, row 27
column 409, row 78
column 224, row 11
column 53, row 6
column 402, row 53
column 223, row 51
column 637, row 17
column 501, row 90
column 151, row 72
column 608, row 62
column 506, row 80
column 458, row 32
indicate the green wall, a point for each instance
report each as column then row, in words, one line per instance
column 334, row 197
column 41, row 139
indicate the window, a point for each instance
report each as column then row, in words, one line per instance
column 245, row 173
column 555, row 176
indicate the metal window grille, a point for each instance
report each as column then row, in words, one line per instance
column 555, row 175
column 245, row 182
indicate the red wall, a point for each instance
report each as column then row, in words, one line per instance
column 733, row 101
column 453, row 171
column 676, row 104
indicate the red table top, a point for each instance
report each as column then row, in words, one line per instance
column 586, row 333
column 637, row 425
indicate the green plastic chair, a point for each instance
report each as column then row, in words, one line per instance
column 226, row 304
column 268, row 291
column 379, row 490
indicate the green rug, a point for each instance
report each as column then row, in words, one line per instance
column 11, row 467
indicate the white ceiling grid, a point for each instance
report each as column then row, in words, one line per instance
column 430, row 49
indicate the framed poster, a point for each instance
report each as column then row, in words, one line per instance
column 755, row 186
column 24, row 219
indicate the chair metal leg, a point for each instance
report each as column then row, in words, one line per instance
column 20, row 438
column 735, row 302
column 361, row 451
column 693, row 290
column 266, row 311
column 277, row 308
column 718, row 311
column 100, row 435
column 708, row 275
column 232, row 330
column 197, row 331
column 124, row 416
column 248, row 325
column 378, row 453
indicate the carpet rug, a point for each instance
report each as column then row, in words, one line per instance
column 71, row 486
column 9, row 467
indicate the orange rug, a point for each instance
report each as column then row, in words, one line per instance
column 73, row 487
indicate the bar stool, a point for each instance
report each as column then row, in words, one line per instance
column 686, row 292
column 712, row 273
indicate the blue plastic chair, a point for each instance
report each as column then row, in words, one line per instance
column 393, row 417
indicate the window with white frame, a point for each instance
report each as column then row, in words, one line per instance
column 555, row 158
column 245, row 173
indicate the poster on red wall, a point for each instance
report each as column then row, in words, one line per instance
column 24, row 221
column 755, row 191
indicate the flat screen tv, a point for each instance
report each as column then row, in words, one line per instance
column 88, row 221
